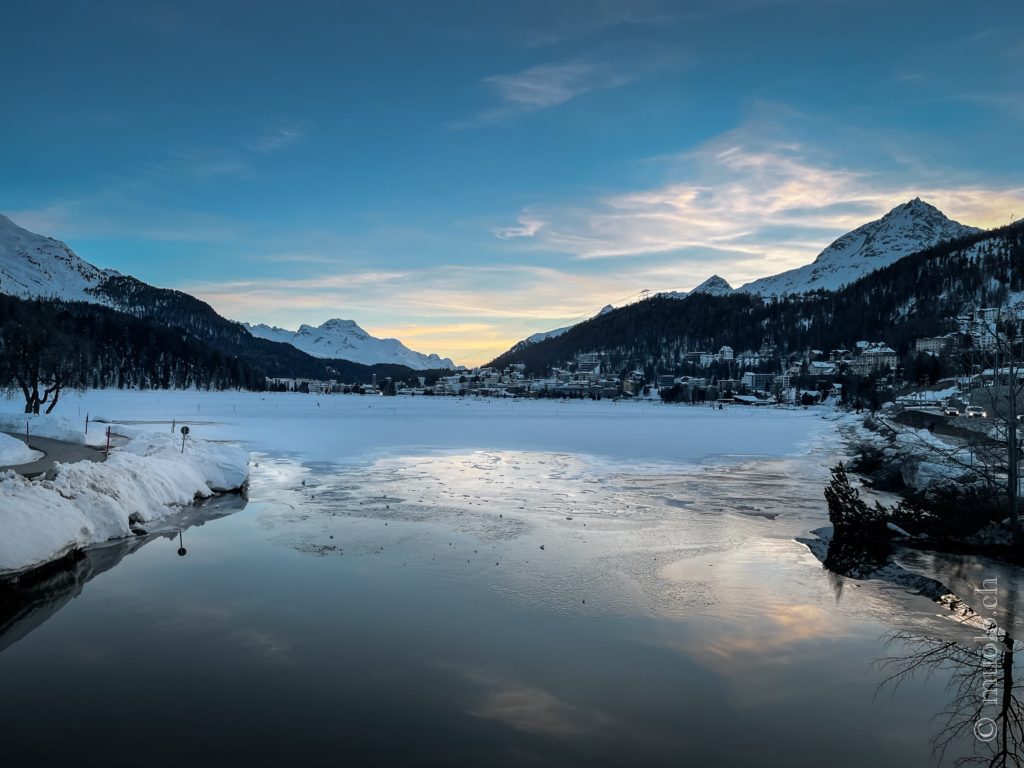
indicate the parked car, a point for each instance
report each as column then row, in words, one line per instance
column 975, row 412
column 949, row 410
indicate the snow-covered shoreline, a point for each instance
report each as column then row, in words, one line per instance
column 86, row 503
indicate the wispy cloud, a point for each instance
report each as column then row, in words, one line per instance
column 278, row 137
column 527, row 227
column 755, row 206
column 553, row 83
column 548, row 85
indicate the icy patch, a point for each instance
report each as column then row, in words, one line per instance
column 558, row 531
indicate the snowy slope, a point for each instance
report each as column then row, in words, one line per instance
column 344, row 340
column 35, row 266
column 559, row 331
column 907, row 228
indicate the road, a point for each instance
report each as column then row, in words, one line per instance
column 55, row 450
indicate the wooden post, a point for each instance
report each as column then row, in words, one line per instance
column 87, row 423
column 108, row 441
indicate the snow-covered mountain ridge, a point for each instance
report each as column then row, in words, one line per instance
column 35, row 266
column 906, row 229
column 345, row 340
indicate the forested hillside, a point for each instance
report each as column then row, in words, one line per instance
column 89, row 345
column 919, row 295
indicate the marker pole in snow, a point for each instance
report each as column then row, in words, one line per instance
column 108, row 441
column 26, row 434
column 174, row 423
column 87, row 423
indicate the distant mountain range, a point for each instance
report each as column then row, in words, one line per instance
column 810, row 298
column 343, row 339
column 906, row 275
column 35, row 266
column 906, row 229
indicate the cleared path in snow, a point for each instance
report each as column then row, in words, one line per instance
column 55, row 450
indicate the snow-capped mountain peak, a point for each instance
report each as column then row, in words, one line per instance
column 345, row 340
column 714, row 286
column 33, row 266
column 907, row 228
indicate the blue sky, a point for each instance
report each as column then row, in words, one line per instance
column 461, row 175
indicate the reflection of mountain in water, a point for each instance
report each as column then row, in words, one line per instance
column 29, row 599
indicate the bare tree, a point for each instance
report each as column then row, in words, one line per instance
column 39, row 359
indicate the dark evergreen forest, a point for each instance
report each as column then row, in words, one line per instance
column 185, row 346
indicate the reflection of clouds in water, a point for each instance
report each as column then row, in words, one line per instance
column 263, row 645
column 231, row 624
column 528, row 708
column 776, row 634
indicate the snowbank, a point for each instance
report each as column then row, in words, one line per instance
column 87, row 503
column 922, row 459
column 55, row 427
column 14, row 452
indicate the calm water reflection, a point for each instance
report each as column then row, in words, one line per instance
column 350, row 616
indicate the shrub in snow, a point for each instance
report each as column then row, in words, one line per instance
column 848, row 513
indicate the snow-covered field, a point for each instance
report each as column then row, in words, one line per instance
column 350, row 427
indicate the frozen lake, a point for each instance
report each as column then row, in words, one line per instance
column 452, row 582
